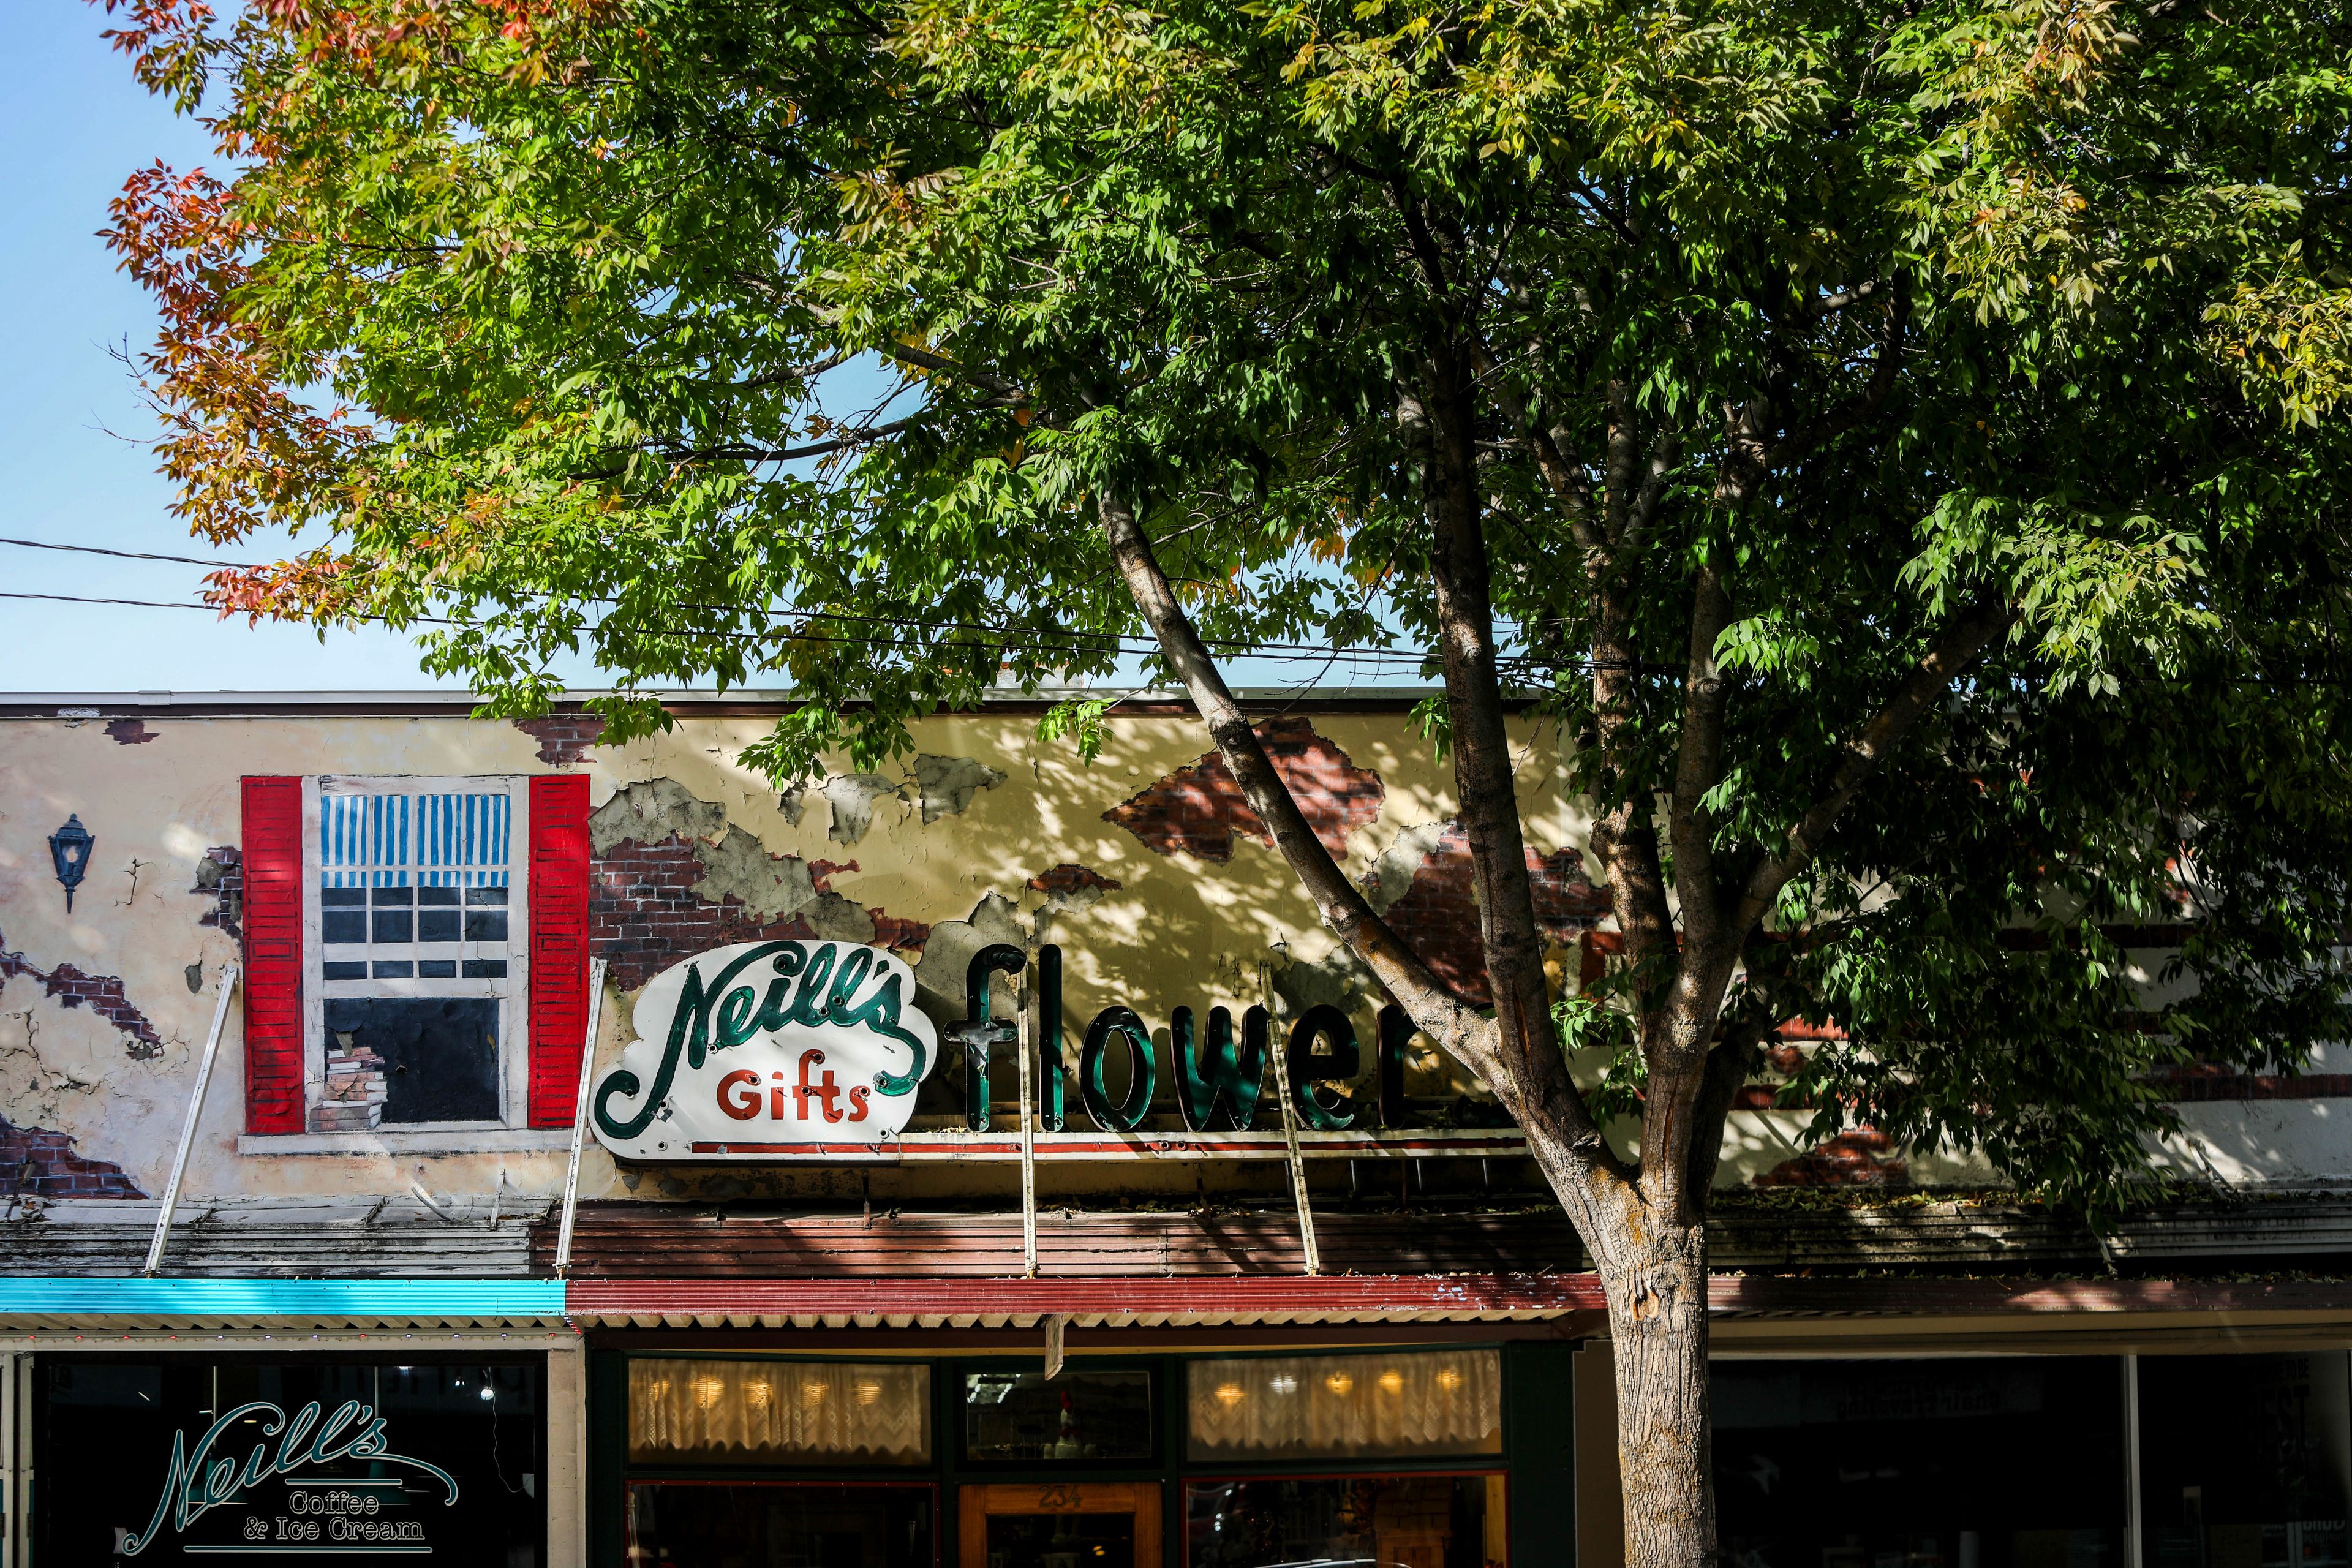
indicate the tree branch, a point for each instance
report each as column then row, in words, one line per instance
column 1959, row 646
column 1699, row 764
column 1341, row 904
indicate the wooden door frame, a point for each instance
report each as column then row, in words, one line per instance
column 975, row 1503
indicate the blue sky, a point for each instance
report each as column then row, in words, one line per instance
column 72, row 468
column 78, row 125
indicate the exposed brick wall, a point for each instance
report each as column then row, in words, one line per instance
column 644, row 914
column 129, row 732
column 102, row 993
column 220, row 877
column 1438, row 914
column 1857, row 1159
column 1199, row 809
column 562, row 738
column 1068, row 879
column 36, row 1163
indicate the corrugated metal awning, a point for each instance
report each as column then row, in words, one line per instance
column 214, row 1303
column 1118, row 1303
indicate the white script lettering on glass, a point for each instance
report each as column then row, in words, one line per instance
column 765, row 1044
column 202, row 1480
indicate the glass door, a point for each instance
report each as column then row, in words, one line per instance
column 1061, row 1524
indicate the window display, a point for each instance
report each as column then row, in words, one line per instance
column 773, row 1412
column 2245, row 1460
column 722, row 1524
column 1377, row 1522
column 1020, row 1417
column 1422, row 1403
column 1960, row 1463
column 241, row 1459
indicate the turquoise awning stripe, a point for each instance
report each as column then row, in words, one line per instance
column 283, row 1297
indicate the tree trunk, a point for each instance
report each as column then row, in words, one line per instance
column 1657, row 1327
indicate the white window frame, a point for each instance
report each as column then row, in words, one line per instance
column 512, row 993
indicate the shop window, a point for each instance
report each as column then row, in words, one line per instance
column 1432, row 1404
column 1023, row 1417
column 417, row 951
column 453, row 1465
column 2245, row 1460
column 1394, row 1521
column 1961, row 1463
column 710, row 1524
column 778, row 1413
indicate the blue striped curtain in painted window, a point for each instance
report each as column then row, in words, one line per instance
column 437, row 840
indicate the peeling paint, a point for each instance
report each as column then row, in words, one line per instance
column 104, row 992
column 562, row 738
column 220, row 877
column 852, row 798
column 1199, row 809
column 945, row 786
column 40, row 1163
column 129, row 732
column 650, row 812
column 739, row 868
column 1392, row 875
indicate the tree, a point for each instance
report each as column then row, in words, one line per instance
column 1896, row 446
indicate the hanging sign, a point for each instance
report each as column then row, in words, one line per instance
column 768, row 1048
column 813, row 1051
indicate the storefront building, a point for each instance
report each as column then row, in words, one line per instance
column 442, row 1138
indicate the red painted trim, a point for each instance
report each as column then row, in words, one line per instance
column 1410, row 1295
column 1370, row 1294
column 559, row 943
column 272, row 860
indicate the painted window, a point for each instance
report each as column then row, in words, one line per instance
column 1405, row 1403
column 770, row 1411
column 415, row 951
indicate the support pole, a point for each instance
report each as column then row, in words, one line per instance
column 1028, row 1139
column 229, row 977
column 1297, row 1172
column 580, row 1116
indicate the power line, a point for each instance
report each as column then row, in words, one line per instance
column 779, row 635
column 1112, row 642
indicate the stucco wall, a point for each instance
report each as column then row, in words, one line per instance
column 983, row 833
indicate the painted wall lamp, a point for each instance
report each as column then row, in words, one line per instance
column 70, row 850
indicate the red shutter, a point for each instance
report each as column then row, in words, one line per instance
column 559, row 944
column 272, row 864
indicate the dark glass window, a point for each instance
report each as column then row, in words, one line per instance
column 345, row 971
column 400, row 969
column 690, row 1524
column 437, row 925
column 124, row 1416
column 482, row 896
column 1964, row 1463
column 394, row 896
column 1393, row 1521
column 1020, row 1417
column 485, row 968
column 485, row 925
column 438, row 969
column 440, row 1053
column 2245, row 1460
column 342, row 898
column 438, row 896
column 1081, row 1539
column 393, row 925
column 342, row 925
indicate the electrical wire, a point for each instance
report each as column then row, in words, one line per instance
column 780, row 634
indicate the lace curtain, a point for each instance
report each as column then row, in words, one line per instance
column 780, row 1412
column 1341, row 1407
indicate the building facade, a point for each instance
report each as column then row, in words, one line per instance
column 432, row 1136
